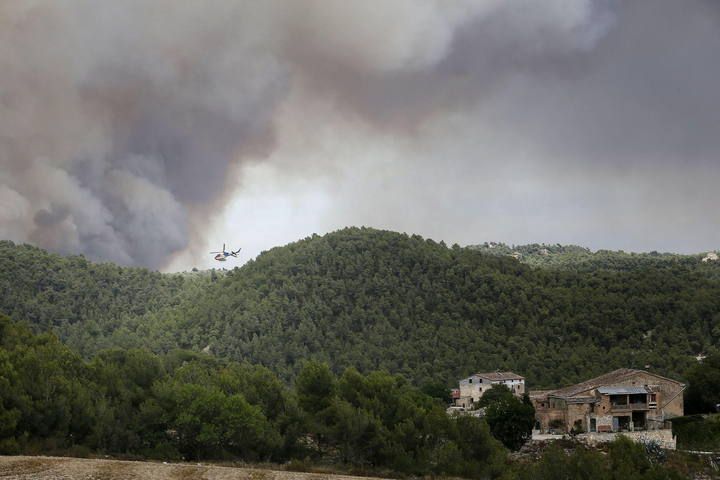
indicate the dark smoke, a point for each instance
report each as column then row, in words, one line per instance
column 125, row 126
column 122, row 122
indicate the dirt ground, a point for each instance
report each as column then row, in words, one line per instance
column 61, row 468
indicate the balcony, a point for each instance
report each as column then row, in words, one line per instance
column 628, row 407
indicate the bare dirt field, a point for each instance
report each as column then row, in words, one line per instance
column 61, row 468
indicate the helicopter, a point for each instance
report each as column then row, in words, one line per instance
column 222, row 256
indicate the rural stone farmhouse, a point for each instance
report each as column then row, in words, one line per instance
column 624, row 400
column 473, row 387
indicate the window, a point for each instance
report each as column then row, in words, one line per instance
column 470, row 380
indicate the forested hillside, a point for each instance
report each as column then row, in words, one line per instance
column 185, row 405
column 382, row 300
column 85, row 303
column 194, row 406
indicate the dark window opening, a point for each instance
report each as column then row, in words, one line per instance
column 623, row 423
column 638, row 419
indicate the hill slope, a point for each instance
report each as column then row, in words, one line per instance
column 375, row 299
column 83, row 302
column 573, row 257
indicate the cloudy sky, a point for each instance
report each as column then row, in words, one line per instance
column 150, row 132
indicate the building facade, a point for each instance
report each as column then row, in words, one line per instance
column 624, row 400
column 474, row 386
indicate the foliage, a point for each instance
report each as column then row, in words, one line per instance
column 373, row 300
column 498, row 393
column 315, row 387
column 625, row 459
column 703, row 393
column 193, row 406
column 357, row 303
column 510, row 419
column 90, row 306
column 185, row 405
column 698, row 432
column 654, row 451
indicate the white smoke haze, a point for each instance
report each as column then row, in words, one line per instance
column 141, row 132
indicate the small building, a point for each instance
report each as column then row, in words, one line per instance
column 624, row 400
column 474, row 386
column 710, row 257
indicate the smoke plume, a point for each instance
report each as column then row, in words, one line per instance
column 125, row 126
column 121, row 121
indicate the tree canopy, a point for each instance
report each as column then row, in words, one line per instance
column 703, row 392
column 371, row 299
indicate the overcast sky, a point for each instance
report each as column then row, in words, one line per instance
column 150, row 132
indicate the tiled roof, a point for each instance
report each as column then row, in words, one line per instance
column 533, row 394
column 621, row 390
column 498, row 376
column 613, row 378
column 616, row 376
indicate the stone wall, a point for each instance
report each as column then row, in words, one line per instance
column 577, row 412
column 663, row 437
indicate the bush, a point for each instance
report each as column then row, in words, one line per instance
column 9, row 446
column 297, row 465
column 510, row 419
column 78, row 451
column 697, row 432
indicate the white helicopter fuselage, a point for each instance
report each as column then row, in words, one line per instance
column 224, row 254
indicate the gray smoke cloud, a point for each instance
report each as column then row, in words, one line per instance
column 125, row 126
column 121, row 121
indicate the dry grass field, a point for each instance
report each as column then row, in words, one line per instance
column 62, row 468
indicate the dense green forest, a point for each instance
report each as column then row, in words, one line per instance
column 373, row 300
column 194, row 406
column 338, row 350
column 185, row 405
column 85, row 303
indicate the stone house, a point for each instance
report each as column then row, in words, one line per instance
column 623, row 400
column 474, row 386
column 711, row 257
